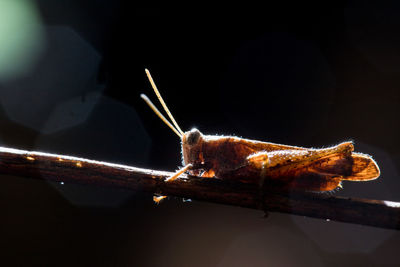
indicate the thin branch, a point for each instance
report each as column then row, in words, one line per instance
column 59, row 168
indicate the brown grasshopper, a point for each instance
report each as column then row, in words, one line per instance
column 250, row 161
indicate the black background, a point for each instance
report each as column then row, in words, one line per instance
column 302, row 75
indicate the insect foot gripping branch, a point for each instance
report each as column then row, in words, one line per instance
column 250, row 161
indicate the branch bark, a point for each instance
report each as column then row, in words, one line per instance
column 67, row 169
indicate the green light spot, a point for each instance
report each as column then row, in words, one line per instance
column 21, row 37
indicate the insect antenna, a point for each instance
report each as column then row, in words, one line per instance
column 158, row 113
column 162, row 101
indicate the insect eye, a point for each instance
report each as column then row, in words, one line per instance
column 193, row 137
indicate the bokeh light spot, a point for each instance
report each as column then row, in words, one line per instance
column 21, row 37
column 66, row 70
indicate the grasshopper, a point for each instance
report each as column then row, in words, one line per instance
column 250, row 161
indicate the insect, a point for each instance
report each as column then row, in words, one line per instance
column 250, row 161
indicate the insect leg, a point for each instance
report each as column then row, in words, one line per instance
column 261, row 159
column 208, row 174
column 179, row 172
column 311, row 169
column 158, row 198
column 286, row 157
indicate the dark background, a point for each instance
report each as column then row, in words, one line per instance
column 302, row 75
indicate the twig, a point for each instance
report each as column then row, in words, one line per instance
column 58, row 168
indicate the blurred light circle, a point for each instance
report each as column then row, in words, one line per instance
column 66, row 69
column 21, row 37
column 112, row 132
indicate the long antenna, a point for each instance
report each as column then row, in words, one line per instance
column 162, row 101
column 161, row 116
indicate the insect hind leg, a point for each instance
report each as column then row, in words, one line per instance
column 310, row 170
column 264, row 160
